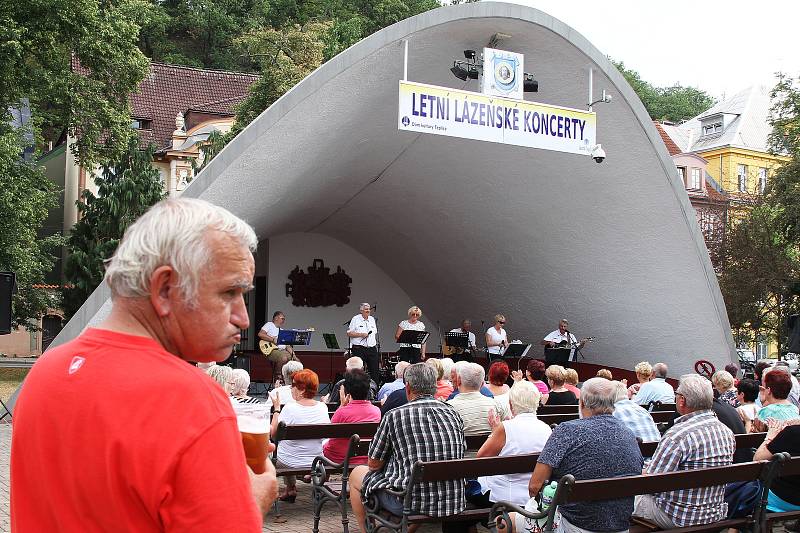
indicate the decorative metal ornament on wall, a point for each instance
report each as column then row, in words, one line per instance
column 318, row 287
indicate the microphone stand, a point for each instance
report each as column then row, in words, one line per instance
column 441, row 342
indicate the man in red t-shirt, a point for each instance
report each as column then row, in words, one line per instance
column 115, row 430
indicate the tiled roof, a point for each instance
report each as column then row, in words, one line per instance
column 672, row 148
column 170, row 89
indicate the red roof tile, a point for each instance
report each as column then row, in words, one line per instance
column 170, row 89
column 670, row 144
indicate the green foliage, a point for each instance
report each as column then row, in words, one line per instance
column 760, row 278
column 127, row 187
column 25, row 196
column 674, row 104
column 38, row 38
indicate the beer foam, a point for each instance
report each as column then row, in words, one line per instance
column 251, row 424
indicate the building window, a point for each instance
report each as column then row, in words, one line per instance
column 682, row 174
column 762, row 347
column 762, row 180
column 711, row 129
column 694, row 183
column 741, row 174
column 141, row 124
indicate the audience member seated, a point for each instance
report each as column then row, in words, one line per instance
column 794, row 393
column 240, row 383
column 391, row 386
column 784, row 496
column 733, row 370
column 774, row 396
column 447, row 366
column 723, row 383
column 223, row 375
column 352, row 363
column 284, row 392
column 728, row 416
column 443, row 388
column 747, row 392
column 498, row 375
column 422, row 430
column 534, row 373
column 595, row 446
column 605, row 374
column 571, row 381
column 758, row 370
column 634, row 416
column 454, row 380
column 697, row 440
column 643, row 374
column 304, row 410
column 355, row 408
column 473, row 407
column 559, row 394
column 657, row 389
column 523, row 433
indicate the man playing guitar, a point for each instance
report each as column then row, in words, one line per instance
column 562, row 338
column 462, row 354
column 278, row 354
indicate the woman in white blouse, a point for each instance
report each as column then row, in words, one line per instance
column 412, row 353
column 304, row 410
column 496, row 338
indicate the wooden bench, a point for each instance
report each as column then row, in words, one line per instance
column 487, row 466
column 571, row 491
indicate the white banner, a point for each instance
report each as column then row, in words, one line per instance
column 442, row 111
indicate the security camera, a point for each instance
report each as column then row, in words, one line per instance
column 598, row 154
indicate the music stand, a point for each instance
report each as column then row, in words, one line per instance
column 557, row 356
column 411, row 336
column 331, row 343
column 517, row 350
column 456, row 339
column 294, row 337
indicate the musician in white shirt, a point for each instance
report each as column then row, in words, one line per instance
column 562, row 335
column 413, row 353
column 281, row 353
column 472, row 345
column 496, row 338
column 363, row 331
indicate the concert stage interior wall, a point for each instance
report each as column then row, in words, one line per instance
column 465, row 227
column 370, row 284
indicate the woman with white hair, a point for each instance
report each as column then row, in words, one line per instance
column 523, row 433
column 223, row 375
column 284, row 392
column 240, row 383
column 724, row 384
column 412, row 353
column 644, row 371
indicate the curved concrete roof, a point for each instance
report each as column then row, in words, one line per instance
column 469, row 227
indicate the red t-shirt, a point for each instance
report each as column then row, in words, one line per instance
column 353, row 412
column 113, row 433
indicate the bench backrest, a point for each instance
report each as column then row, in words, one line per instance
column 366, row 430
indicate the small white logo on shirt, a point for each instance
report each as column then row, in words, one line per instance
column 76, row 364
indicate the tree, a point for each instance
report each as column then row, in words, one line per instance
column 41, row 41
column 675, row 104
column 127, row 187
column 25, row 196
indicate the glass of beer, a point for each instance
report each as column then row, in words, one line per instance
column 253, row 422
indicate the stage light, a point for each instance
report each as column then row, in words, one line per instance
column 470, row 54
column 459, row 72
column 530, row 85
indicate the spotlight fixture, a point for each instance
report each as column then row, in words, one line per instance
column 605, row 98
column 469, row 54
column 530, row 85
column 464, row 70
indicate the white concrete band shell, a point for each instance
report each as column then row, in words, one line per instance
column 469, row 228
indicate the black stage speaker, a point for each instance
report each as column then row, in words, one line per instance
column 7, row 282
column 793, row 326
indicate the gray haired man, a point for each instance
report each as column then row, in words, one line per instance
column 424, row 429
column 156, row 454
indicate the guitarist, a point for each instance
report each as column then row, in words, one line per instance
column 562, row 337
column 281, row 353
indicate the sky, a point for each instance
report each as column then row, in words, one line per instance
column 718, row 46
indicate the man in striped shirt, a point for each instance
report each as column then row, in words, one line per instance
column 697, row 440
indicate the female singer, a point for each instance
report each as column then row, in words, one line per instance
column 496, row 338
column 411, row 352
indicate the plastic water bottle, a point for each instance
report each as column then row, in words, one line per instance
column 548, row 493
